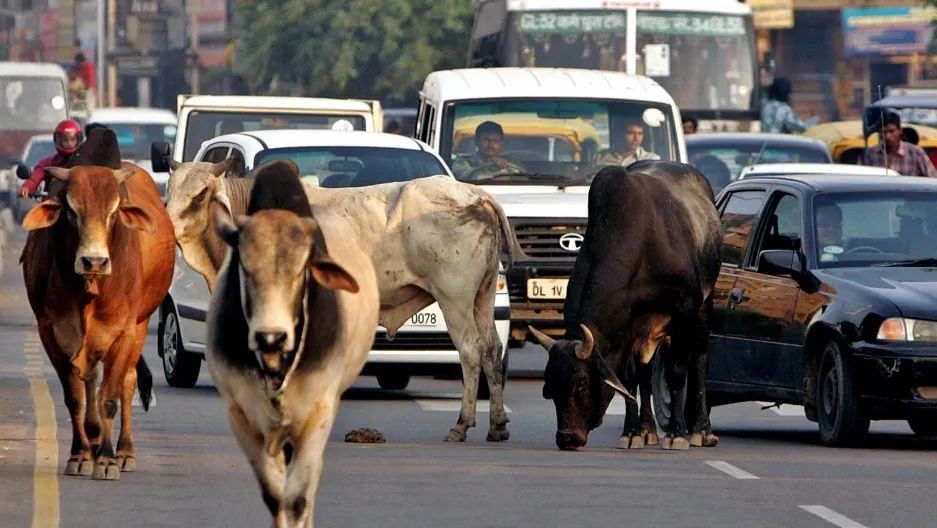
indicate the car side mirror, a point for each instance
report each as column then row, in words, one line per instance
column 159, row 156
column 781, row 262
column 22, row 171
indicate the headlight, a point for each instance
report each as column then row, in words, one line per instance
column 901, row 329
column 502, row 284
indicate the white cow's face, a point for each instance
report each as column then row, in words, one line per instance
column 192, row 188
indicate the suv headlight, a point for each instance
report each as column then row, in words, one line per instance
column 902, row 329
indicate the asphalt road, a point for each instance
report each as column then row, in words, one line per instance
column 769, row 469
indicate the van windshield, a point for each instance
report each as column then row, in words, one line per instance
column 202, row 126
column 31, row 103
column 552, row 141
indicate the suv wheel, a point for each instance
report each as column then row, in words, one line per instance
column 180, row 366
column 838, row 415
column 391, row 380
column 924, row 426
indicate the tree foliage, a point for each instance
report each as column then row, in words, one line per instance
column 350, row 48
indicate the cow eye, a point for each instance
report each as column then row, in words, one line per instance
column 200, row 196
column 581, row 383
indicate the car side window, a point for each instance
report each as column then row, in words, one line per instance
column 738, row 219
column 784, row 225
column 237, row 169
column 216, row 154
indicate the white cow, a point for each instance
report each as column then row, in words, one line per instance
column 431, row 239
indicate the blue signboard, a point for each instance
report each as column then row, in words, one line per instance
column 887, row 30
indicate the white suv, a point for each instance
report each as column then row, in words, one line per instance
column 329, row 159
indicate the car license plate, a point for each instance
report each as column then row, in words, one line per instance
column 546, row 288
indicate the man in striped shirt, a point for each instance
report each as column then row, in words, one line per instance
column 908, row 159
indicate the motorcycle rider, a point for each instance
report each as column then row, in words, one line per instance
column 67, row 137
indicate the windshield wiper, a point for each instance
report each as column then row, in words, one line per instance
column 925, row 262
column 533, row 176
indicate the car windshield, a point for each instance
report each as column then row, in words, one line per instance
column 716, row 161
column 356, row 166
column 31, row 103
column 38, row 149
column 884, row 228
column 202, row 125
column 134, row 138
column 536, row 141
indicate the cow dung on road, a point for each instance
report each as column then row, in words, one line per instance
column 365, row 435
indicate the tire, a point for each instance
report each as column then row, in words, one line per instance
column 924, row 426
column 391, row 380
column 180, row 367
column 839, row 417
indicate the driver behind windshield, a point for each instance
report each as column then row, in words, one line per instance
column 630, row 149
column 487, row 161
column 829, row 231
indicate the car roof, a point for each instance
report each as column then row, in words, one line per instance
column 752, row 139
column 506, row 83
column 290, row 138
column 828, row 169
column 844, row 183
column 295, row 104
column 128, row 114
column 31, row 69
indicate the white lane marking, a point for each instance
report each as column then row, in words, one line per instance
column 832, row 517
column 784, row 410
column 730, row 470
column 453, row 406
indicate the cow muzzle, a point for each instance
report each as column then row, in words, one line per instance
column 570, row 440
column 92, row 265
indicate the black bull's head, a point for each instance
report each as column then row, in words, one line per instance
column 581, row 385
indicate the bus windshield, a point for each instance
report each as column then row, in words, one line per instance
column 552, row 141
column 31, row 103
column 705, row 60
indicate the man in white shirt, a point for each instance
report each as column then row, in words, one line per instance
column 633, row 151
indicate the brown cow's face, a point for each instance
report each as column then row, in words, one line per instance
column 580, row 384
column 93, row 205
column 274, row 249
column 193, row 188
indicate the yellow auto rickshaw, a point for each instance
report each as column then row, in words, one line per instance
column 844, row 139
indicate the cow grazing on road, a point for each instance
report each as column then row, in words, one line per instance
column 431, row 239
column 641, row 283
column 290, row 325
column 97, row 262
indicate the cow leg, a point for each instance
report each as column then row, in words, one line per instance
column 79, row 460
column 631, row 437
column 120, row 359
column 492, row 365
column 697, row 408
column 675, row 361
column 92, row 416
column 305, row 469
column 126, row 454
column 648, row 428
column 270, row 471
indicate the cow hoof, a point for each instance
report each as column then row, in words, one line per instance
column 675, row 443
column 696, row 440
column 106, row 470
column 497, row 435
column 631, row 442
column 651, row 439
column 78, row 467
column 455, row 436
column 128, row 463
column 710, row 440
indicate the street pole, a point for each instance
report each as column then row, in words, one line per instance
column 193, row 29
column 99, row 44
column 111, row 47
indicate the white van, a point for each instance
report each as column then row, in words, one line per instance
column 559, row 126
column 202, row 117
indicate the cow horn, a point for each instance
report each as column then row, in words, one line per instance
column 222, row 167
column 584, row 349
column 545, row 341
column 58, row 173
column 610, row 379
column 174, row 165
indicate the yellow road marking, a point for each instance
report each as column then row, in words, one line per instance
column 45, row 475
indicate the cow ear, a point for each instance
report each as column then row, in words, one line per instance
column 58, row 173
column 221, row 167
column 584, row 348
column 221, row 198
column 226, row 229
column 174, row 165
column 43, row 215
column 136, row 218
column 330, row 274
column 610, row 379
column 123, row 174
column 545, row 341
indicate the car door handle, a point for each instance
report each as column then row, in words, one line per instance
column 736, row 295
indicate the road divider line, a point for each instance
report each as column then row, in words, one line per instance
column 730, row 470
column 45, row 472
column 453, row 406
column 832, row 517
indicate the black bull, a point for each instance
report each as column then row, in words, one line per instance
column 642, row 283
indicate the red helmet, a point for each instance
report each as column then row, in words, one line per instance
column 67, row 137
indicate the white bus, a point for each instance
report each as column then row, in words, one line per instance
column 702, row 52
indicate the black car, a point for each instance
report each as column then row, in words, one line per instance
column 722, row 156
column 827, row 298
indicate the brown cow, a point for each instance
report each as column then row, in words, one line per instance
column 97, row 263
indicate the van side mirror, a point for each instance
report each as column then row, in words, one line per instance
column 22, row 171
column 159, row 156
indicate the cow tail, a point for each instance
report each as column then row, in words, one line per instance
column 144, row 383
column 506, row 232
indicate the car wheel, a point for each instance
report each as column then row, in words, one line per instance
column 924, row 426
column 838, row 415
column 483, row 392
column 180, row 366
column 393, row 380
